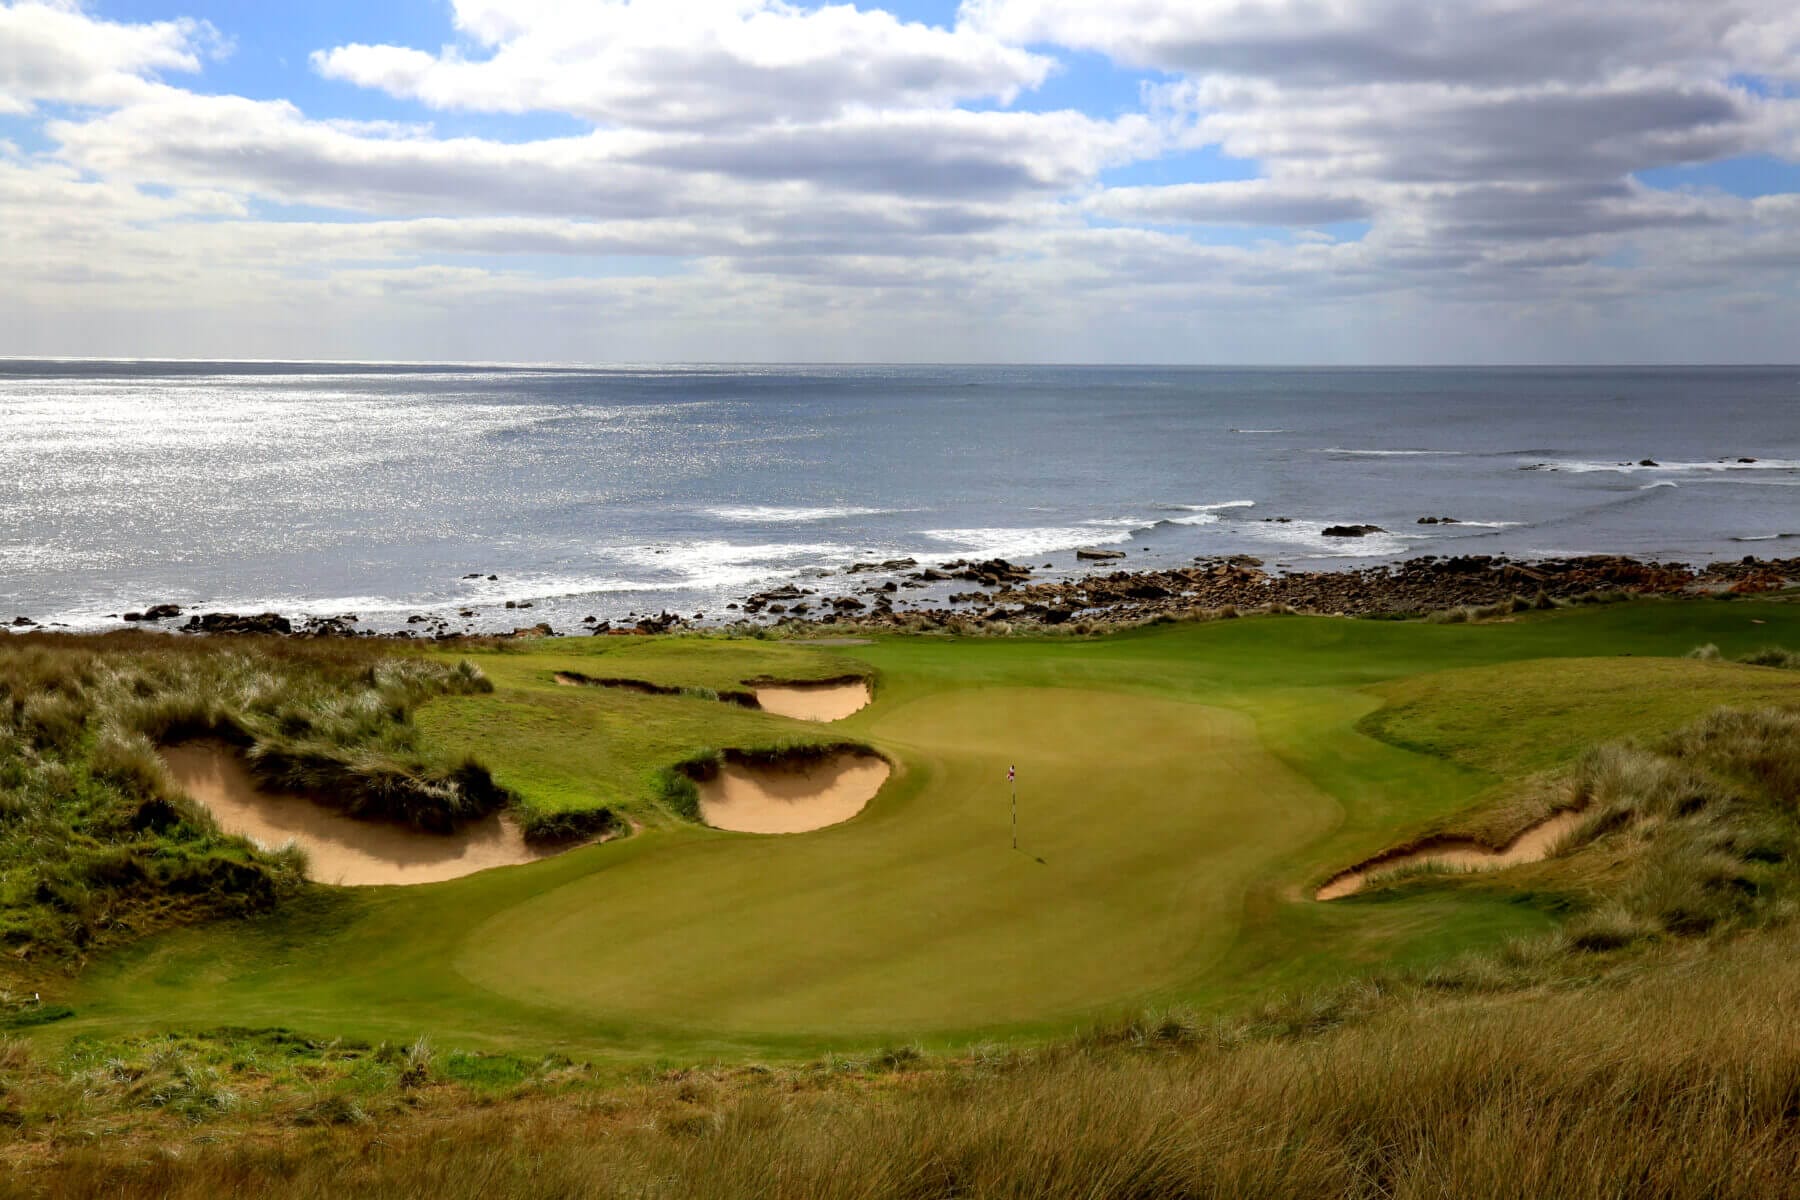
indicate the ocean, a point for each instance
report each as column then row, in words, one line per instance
column 392, row 490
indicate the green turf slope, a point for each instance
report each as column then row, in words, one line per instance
column 1181, row 790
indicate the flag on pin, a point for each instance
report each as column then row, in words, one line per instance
column 1009, row 775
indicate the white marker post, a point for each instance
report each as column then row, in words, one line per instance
column 1012, row 778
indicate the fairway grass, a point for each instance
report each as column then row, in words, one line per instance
column 1182, row 790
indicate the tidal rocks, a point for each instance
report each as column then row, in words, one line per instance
column 216, row 622
column 1350, row 531
column 156, row 612
column 22, row 622
column 992, row 573
column 1439, row 521
column 1087, row 555
column 892, row 564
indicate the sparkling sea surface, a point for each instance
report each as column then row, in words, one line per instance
column 325, row 489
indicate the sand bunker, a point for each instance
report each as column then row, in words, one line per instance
column 831, row 701
column 791, row 797
column 1533, row 845
column 341, row 849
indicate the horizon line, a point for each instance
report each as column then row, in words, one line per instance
column 667, row 364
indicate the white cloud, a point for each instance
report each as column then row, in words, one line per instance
column 1238, row 202
column 702, row 64
column 50, row 50
column 763, row 179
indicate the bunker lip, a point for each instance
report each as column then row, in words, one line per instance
column 812, row 699
column 1532, row 844
column 794, row 792
column 800, row 699
column 646, row 688
column 340, row 849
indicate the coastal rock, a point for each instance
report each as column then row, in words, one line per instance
column 156, row 612
column 1439, row 521
column 216, row 622
column 1098, row 555
column 22, row 622
column 1350, row 531
column 1648, row 462
column 892, row 564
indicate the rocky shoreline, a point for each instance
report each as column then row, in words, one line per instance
column 1003, row 595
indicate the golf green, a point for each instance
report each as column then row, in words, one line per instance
column 1141, row 820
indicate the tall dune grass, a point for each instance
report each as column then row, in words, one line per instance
column 1682, row 1081
column 96, row 843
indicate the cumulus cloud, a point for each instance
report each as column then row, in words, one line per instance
column 1240, row 202
column 705, row 64
column 50, row 50
column 1480, row 43
column 819, row 180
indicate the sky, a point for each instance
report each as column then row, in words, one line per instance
column 1157, row 181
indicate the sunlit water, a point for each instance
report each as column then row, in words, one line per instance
column 376, row 490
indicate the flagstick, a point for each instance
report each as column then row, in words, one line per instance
column 1015, row 814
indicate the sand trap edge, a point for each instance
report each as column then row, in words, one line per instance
column 344, row 850
column 1551, row 829
column 777, row 792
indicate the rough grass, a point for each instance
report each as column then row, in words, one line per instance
column 97, row 844
column 1680, row 1081
column 1699, row 830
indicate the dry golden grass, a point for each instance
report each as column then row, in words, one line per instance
column 1681, row 1080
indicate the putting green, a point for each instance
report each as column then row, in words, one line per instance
column 1141, row 821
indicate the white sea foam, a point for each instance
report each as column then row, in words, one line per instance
column 1307, row 539
column 722, row 564
column 1212, row 507
column 1024, row 543
column 1387, row 453
column 1586, row 466
column 781, row 514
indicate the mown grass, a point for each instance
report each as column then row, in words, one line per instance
column 96, row 843
column 568, row 749
column 1180, row 786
